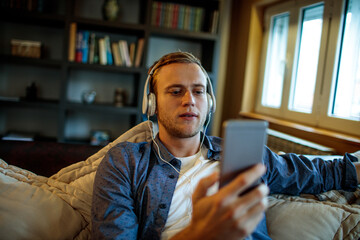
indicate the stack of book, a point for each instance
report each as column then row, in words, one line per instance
column 177, row 16
column 86, row 47
column 41, row 6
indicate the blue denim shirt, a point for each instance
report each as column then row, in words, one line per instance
column 133, row 187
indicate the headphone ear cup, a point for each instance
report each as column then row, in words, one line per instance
column 151, row 104
column 210, row 103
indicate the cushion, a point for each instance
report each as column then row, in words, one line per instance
column 305, row 217
column 34, row 207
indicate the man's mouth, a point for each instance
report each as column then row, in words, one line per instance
column 188, row 115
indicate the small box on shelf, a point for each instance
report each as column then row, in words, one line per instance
column 25, row 48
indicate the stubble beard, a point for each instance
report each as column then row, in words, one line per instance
column 172, row 128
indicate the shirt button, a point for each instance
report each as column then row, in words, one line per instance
column 162, row 206
column 171, row 176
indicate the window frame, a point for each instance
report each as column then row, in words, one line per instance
column 333, row 18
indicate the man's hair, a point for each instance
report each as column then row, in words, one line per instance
column 175, row 57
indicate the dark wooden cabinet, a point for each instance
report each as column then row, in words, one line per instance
column 59, row 113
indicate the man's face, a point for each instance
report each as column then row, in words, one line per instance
column 181, row 99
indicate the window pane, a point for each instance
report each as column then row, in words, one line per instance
column 346, row 102
column 275, row 61
column 303, row 86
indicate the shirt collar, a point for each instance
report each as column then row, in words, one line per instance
column 211, row 143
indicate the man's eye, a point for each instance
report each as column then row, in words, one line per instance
column 175, row 92
column 199, row 92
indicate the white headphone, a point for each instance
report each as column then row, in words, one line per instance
column 149, row 98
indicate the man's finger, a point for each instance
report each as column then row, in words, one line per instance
column 204, row 185
column 243, row 181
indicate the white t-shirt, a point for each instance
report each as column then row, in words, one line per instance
column 193, row 169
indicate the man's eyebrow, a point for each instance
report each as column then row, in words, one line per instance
column 181, row 85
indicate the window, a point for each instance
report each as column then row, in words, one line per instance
column 311, row 64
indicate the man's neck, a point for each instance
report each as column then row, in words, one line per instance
column 180, row 147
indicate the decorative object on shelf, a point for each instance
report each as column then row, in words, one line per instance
column 31, row 92
column 88, row 97
column 110, row 10
column 120, row 97
column 25, row 48
column 100, row 137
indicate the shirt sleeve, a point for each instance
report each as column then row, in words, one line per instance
column 294, row 174
column 113, row 208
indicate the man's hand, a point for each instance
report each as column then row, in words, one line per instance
column 226, row 215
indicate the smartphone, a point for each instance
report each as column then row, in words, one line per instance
column 243, row 147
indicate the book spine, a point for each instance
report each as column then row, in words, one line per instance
column 109, row 58
column 132, row 53
column 72, row 42
column 215, row 20
column 85, row 46
column 125, row 48
column 122, row 54
column 170, row 13
column 175, row 16
column 92, row 48
column 96, row 50
column 139, row 52
column 158, row 14
column 115, row 50
column 187, row 18
column 181, row 17
column 154, row 13
column 78, row 50
column 102, row 52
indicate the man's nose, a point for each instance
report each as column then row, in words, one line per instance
column 188, row 98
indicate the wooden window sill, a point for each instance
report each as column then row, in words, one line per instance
column 342, row 143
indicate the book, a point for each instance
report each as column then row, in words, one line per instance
column 78, row 48
column 125, row 50
column 214, row 22
column 154, row 13
column 92, row 48
column 96, row 50
column 85, row 46
column 132, row 53
column 175, row 19
column 72, row 42
column 187, row 16
column 139, row 52
column 116, row 52
column 102, row 52
column 199, row 19
column 109, row 58
column 181, row 17
column 121, row 53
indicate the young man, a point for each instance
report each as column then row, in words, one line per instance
column 165, row 188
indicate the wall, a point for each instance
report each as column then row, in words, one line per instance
column 243, row 58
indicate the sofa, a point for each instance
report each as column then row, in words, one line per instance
column 56, row 205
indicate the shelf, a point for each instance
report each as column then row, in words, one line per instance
column 102, row 107
column 40, row 62
column 45, row 104
column 32, row 18
column 110, row 26
column 108, row 68
column 176, row 33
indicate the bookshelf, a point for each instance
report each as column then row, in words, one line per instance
column 59, row 113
